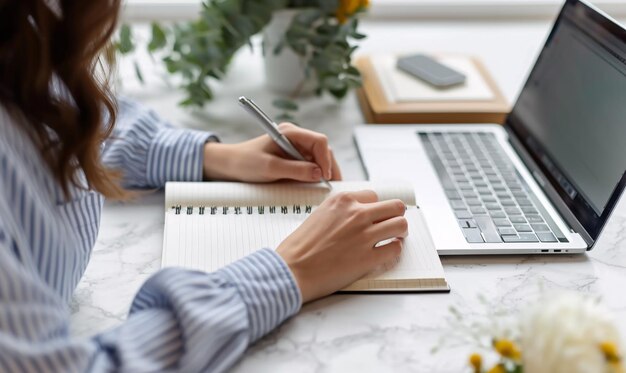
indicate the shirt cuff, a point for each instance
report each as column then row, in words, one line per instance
column 177, row 155
column 268, row 289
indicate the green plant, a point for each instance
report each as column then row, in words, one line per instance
column 201, row 50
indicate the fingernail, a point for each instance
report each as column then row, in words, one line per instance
column 317, row 173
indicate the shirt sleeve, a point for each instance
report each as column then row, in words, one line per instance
column 150, row 151
column 180, row 320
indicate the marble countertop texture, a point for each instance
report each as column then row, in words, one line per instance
column 346, row 333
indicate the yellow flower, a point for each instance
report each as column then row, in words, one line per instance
column 476, row 361
column 507, row 349
column 348, row 7
column 609, row 349
column 497, row 369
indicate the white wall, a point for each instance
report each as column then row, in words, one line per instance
column 416, row 9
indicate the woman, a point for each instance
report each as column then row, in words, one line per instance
column 60, row 155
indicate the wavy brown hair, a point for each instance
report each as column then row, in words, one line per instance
column 49, row 76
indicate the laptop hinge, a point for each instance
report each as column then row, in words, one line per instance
column 548, row 189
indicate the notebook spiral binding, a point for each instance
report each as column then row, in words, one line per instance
column 248, row 210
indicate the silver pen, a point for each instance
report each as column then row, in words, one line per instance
column 271, row 128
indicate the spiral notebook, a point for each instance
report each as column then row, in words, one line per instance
column 209, row 225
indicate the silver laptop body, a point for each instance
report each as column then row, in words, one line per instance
column 544, row 183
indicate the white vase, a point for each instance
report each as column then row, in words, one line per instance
column 285, row 71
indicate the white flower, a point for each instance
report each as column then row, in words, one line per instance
column 563, row 335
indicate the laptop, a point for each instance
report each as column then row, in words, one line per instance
column 547, row 180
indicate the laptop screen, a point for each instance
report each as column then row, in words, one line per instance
column 571, row 114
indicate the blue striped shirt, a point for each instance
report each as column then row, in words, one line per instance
column 180, row 320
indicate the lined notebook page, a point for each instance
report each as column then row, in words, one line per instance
column 279, row 194
column 207, row 242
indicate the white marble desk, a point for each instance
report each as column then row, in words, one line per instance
column 365, row 333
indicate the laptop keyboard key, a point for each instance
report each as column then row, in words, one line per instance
column 517, row 219
column 502, row 222
column 472, row 235
column 522, row 227
column 469, row 194
column 529, row 210
column 528, row 237
column 463, row 214
column 478, row 210
column 512, row 210
column 546, row 237
column 511, row 239
column 523, row 237
column 506, row 231
column 486, row 225
column 540, row 227
column 534, row 218
column 497, row 214
column 457, row 204
column 483, row 190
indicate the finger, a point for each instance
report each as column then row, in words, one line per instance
column 312, row 144
column 335, row 170
column 396, row 227
column 280, row 168
column 364, row 196
column 385, row 210
column 386, row 254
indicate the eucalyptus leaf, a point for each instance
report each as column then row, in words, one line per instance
column 297, row 31
column 125, row 44
column 332, row 83
column 327, row 29
column 339, row 93
column 319, row 40
column 299, row 48
column 357, row 36
column 159, row 39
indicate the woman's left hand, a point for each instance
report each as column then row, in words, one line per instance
column 262, row 160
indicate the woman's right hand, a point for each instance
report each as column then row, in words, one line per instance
column 335, row 246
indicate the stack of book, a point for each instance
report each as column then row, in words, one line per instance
column 390, row 95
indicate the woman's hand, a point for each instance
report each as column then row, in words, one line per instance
column 261, row 160
column 335, row 246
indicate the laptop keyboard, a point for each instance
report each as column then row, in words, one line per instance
column 492, row 203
